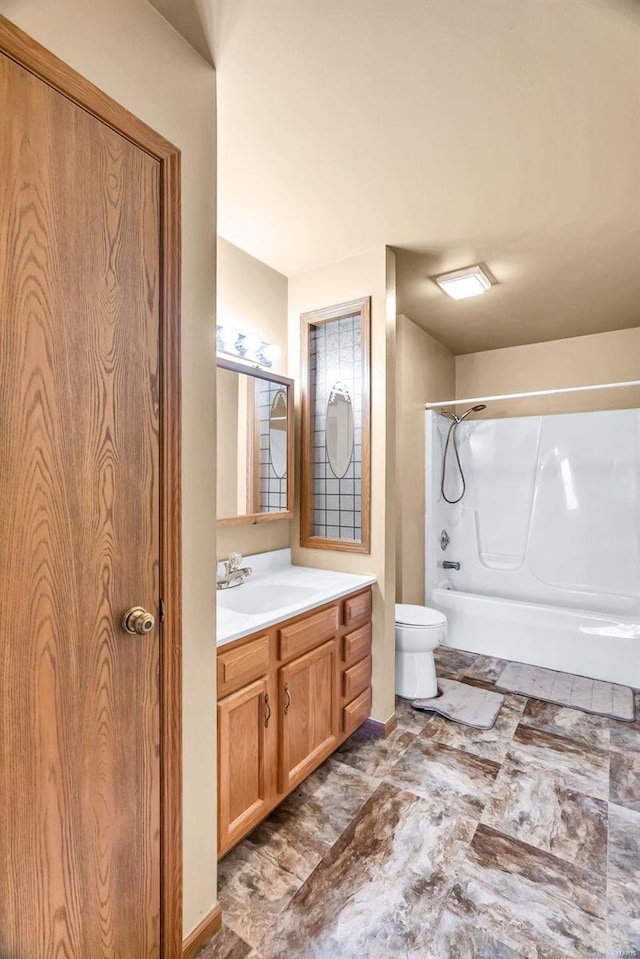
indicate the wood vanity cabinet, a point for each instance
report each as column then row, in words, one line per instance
column 287, row 698
column 308, row 727
column 245, row 791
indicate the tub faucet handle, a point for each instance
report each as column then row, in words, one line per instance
column 444, row 540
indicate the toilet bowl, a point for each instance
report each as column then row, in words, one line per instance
column 419, row 631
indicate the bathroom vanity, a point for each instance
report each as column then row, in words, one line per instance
column 290, row 690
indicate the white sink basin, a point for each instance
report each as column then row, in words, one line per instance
column 253, row 600
column 276, row 591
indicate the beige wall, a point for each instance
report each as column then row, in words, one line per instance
column 252, row 295
column 578, row 361
column 370, row 274
column 193, row 19
column 425, row 371
column 132, row 54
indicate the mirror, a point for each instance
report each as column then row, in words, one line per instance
column 278, row 434
column 339, row 429
column 254, row 445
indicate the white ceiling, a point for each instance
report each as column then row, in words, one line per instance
column 457, row 131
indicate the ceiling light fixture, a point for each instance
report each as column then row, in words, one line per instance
column 461, row 284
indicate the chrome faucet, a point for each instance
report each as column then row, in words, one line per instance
column 233, row 573
column 447, row 564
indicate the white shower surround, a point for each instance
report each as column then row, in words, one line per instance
column 548, row 537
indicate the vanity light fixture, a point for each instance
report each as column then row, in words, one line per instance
column 248, row 347
column 461, row 284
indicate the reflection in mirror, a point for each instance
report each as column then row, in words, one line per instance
column 339, row 430
column 254, row 414
column 278, row 434
column 270, row 488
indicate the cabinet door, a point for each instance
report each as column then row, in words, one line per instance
column 243, row 780
column 309, row 718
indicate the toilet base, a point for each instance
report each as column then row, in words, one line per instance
column 416, row 675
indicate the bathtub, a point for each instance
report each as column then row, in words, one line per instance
column 594, row 644
column 547, row 538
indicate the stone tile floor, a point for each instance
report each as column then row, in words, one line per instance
column 446, row 842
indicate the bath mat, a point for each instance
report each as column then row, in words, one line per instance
column 563, row 689
column 469, row 705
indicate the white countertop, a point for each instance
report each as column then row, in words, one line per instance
column 273, row 572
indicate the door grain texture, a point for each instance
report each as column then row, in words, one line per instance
column 309, row 723
column 79, row 532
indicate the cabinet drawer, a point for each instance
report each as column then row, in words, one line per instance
column 356, row 712
column 356, row 645
column 357, row 678
column 242, row 665
column 357, row 608
column 308, row 632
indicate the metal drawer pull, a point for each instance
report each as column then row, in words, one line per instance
column 288, row 695
column 267, row 710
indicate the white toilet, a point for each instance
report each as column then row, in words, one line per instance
column 419, row 631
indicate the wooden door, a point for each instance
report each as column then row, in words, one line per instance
column 309, row 717
column 81, row 505
column 244, row 782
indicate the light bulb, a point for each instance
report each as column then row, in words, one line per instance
column 252, row 344
column 271, row 352
column 229, row 336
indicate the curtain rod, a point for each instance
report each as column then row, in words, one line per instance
column 519, row 396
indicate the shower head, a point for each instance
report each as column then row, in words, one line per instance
column 472, row 409
column 459, row 419
column 451, row 437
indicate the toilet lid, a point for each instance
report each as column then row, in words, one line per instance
column 407, row 615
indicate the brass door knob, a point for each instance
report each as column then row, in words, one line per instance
column 138, row 621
